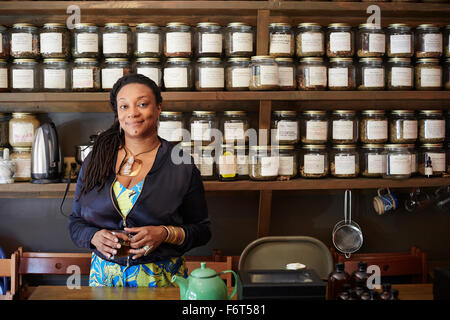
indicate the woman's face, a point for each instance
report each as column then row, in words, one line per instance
column 137, row 111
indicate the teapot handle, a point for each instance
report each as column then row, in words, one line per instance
column 237, row 286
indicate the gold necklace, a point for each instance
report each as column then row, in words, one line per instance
column 126, row 171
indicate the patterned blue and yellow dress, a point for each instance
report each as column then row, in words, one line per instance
column 109, row 274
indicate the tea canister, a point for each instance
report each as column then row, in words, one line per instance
column 344, row 161
column 344, row 127
column 170, row 126
column 264, row 163
column 85, row 41
column 86, row 75
column 428, row 41
column 281, row 40
column 310, row 40
column 237, row 74
column 210, row 74
column 431, row 126
column 314, row 127
column 400, row 74
column 341, row 74
column 286, row 73
column 371, row 41
column 372, row 160
column 239, row 40
column 55, row 76
column 373, row 126
column 113, row 70
column 264, row 73
column 206, row 164
column 312, row 74
column 340, row 40
column 436, row 153
column 398, row 161
column 209, row 39
column 148, row 41
column 22, row 127
column 24, row 75
column 314, row 161
column 151, row 68
column 178, row 40
column 428, row 74
column 370, row 74
column 400, row 40
column 117, row 40
column 285, row 126
column 24, row 41
column 201, row 124
column 54, row 41
column 21, row 156
column 234, row 126
column 178, row 74
column 403, row 126
column 288, row 163
column 4, row 83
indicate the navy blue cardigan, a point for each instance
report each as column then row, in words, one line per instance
column 172, row 194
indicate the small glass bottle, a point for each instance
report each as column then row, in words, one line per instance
column 312, row 74
column 344, row 161
column 371, row 41
column 85, row 41
column 239, row 40
column 210, row 74
column 201, row 125
column 55, row 76
column 4, row 43
column 286, row 73
column 344, row 127
column 431, row 126
column 24, row 75
column 24, row 41
column 359, row 274
column 22, row 158
column 400, row 41
column 281, row 40
column 428, row 41
column 340, row 40
column 341, row 74
column 117, row 40
column 398, row 161
column 234, row 126
column 286, row 126
column 4, row 83
column 436, row 153
column 400, row 74
column 113, row 70
column 151, row 68
column 148, row 41
column 178, row 75
column 238, row 74
column 314, row 161
column 428, row 74
column 206, row 163
column 264, row 164
column 55, row 41
column 178, row 40
column 209, row 39
column 372, row 160
column 287, row 162
column 227, row 163
column 170, row 126
column 86, row 75
column 310, row 40
column 242, row 160
column 22, row 127
column 403, row 126
column 370, row 75
column 314, row 127
column 264, row 73
column 373, row 126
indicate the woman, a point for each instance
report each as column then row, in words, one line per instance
column 129, row 182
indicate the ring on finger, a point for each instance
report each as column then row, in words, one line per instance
column 147, row 249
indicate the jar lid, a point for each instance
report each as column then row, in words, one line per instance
column 400, row 60
column 432, row 145
column 431, row 111
column 341, row 60
column 21, row 114
column 395, row 145
column 284, row 59
column 314, row 146
column 372, row 112
column 227, row 145
column 147, row 24
column 21, row 149
column 280, row 24
column 311, row 59
column 320, row 112
column 54, row 24
column 262, row 58
column 240, row 147
column 54, row 60
column 148, row 60
column 23, row 25
column 115, row 24
column 209, row 59
column 371, row 60
column 171, row 113
column 207, row 147
column 402, row 111
column 284, row 113
column 372, row 146
column 239, row 59
column 344, row 112
column 344, row 146
column 84, row 24
column 116, row 60
column 235, row 113
column 284, row 147
column 427, row 60
column 428, row 26
column 338, row 25
column 187, row 143
column 203, row 113
column 238, row 24
column 260, row 147
column 207, row 24
column 177, row 24
column 80, row 60
column 309, row 24
column 398, row 25
column 178, row 59
column 370, row 26
column 24, row 61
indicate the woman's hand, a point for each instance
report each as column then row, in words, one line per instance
column 107, row 242
column 151, row 236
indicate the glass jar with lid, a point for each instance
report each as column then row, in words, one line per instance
column 178, row 40
column 371, row 41
column 55, row 41
column 447, row 74
column 24, row 41
column 4, row 43
column 113, row 70
column 428, row 41
column 178, row 74
column 242, row 160
column 344, row 161
column 281, row 40
column 202, row 124
column 400, row 40
column 55, row 76
column 398, row 161
column 206, row 163
column 22, row 127
column 310, row 40
column 312, row 74
column 86, row 75
column 400, row 74
column 171, row 126
column 21, row 156
column 314, row 127
column 314, row 161
column 373, row 126
column 227, row 163
column 288, row 163
column 372, row 160
column 151, row 68
column 238, row 74
column 148, row 41
column 239, row 40
column 210, row 74
column 286, row 126
column 188, row 151
column 117, row 40
column 264, row 163
column 414, row 159
column 341, row 74
column 209, row 39
column 264, row 73
column 4, row 83
column 447, row 41
column 431, row 126
column 370, row 75
column 435, row 152
column 344, row 127
column 24, row 75
column 340, row 40
column 403, row 126
column 428, row 74
column 234, row 126
column 286, row 73
column 4, row 129
column 85, row 41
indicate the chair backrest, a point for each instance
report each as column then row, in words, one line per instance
column 9, row 268
column 275, row 252
column 192, row 263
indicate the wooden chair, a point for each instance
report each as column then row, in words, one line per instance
column 9, row 268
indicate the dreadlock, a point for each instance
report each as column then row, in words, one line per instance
column 110, row 141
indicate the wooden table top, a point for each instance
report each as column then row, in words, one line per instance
column 406, row 292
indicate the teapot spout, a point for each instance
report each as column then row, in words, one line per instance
column 182, row 283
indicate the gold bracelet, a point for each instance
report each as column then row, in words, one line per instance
column 168, row 233
column 176, row 235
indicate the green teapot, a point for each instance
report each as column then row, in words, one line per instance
column 205, row 284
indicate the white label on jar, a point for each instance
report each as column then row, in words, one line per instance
column 206, row 166
column 54, row 78
column 242, row 165
column 344, row 164
column 227, row 164
column 175, row 78
column 234, row 131
column 376, row 163
column 437, row 161
column 314, row 163
column 22, row 132
column 377, row 129
column 434, row 129
column 280, row 43
column 413, row 163
column 170, row 130
column 23, row 168
column 286, row 76
column 410, row 129
column 3, row 78
column 115, row 43
column 23, row 79
column 316, row 130
column 269, row 166
column 287, row 130
column 340, row 41
column 286, row 166
column 178, row 42
column 240, row 77
column 312, row 42
column 342, row 129
column 211, row 43
column 269, row 75
column 87, row 42
column 430, row 77
column 374, row 77
column 83, row 78
column 211, row 78
column 242, row 42
column 401, row 43
column 152, row 73
column 51, row 42
column 317, row 76
column 148, row 42
column 433, row 42
column 377, row 42
column 338, row 77
column 110, row 76
column 21, row 42
column 401, row 76
column 399, row 164
column 200, row 131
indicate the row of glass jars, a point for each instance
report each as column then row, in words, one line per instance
column 338, row 40
column 53, row 40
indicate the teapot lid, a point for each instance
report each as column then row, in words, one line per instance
column 203, row 272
